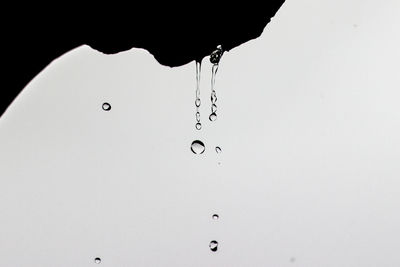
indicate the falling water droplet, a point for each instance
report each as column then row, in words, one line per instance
column 106, row 106
column 215, row 216
column 97, row 260
column 218, row 149
column 197, row 147
column 198, row 101
column 213, row 116
column 214, row 246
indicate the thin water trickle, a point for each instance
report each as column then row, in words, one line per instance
column 215, row 57
column 197, row 147
column 198, row 101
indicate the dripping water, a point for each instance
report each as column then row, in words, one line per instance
column 198, row 101
column 215, row 57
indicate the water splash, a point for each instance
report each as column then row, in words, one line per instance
column 198, row 101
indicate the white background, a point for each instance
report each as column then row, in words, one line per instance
column 309, row 174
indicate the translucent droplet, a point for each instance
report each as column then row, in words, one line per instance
column 198, row 116
column 197, row 147
column 197, row 102
column 216, row 55
column 106, row 106
column 214, row 246
column 97, row 260
column 213, row 108
column 218, row 149
column 215, row 216
column 213, row 116
column 198, row 126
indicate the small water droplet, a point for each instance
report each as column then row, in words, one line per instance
column 97, row 260
column 197, row 147
column 214, row 246
column 197, row 102
column 213, row 116
column 198, row 116
column 198, row 126
column 218, row 149
column 215, row 216
column 106, row 106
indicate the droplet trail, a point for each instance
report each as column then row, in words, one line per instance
column 198, row 101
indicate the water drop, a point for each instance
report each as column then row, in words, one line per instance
column 197, row 147
column 198, row 116
column 106, row 106
column 215, row 216
column 198, row 126
column 197, row 102
column 218, row 149
column 213, row 116
column 216, row 55
column 214, row 246
column 97, row 260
